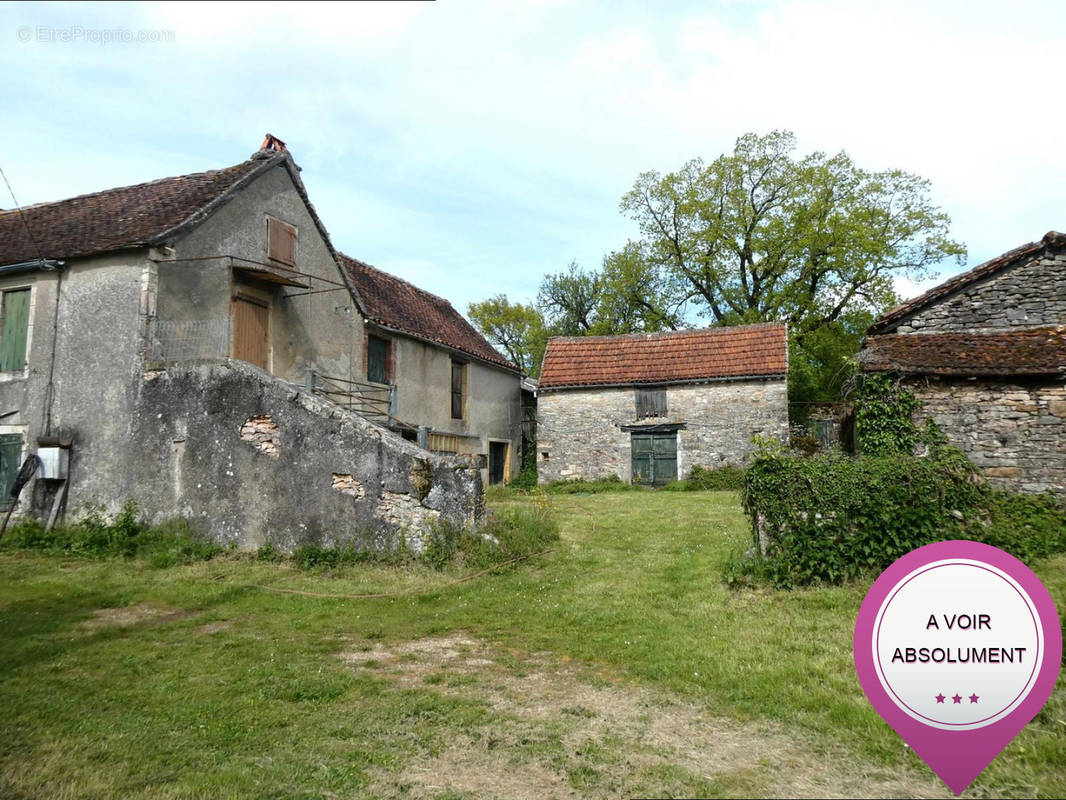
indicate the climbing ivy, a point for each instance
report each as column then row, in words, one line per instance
column 883, row 417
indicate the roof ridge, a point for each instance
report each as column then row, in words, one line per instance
column 663, row 334
column 140, row 185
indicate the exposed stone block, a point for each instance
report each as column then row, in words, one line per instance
column 263, row 433
column 347, row 484
column 1003, row 472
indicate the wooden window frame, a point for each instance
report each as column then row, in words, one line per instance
column 388, row 358
column 458, row 397
column 277, row 248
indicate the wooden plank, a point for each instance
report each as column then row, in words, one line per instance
column 10, row 453
column 251, row 329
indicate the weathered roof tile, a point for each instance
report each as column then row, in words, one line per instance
column 1030, row 352
column 114, row 219
column 401, row 306
column 676, row 356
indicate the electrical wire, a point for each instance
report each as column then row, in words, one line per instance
column 22, row 217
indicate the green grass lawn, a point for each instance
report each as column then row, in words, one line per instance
column 617, row 665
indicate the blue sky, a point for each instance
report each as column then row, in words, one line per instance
column 471, row 147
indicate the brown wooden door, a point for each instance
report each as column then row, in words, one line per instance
column 251, row 326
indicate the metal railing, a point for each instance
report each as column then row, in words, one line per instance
column 366, row 399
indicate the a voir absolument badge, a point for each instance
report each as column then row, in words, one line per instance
column 958, row 645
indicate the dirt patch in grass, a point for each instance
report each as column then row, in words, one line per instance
column 475, row 771
column 131, row 615
column 214, row 627
column 599, row 737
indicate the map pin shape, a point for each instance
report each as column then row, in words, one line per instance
column 958, row 645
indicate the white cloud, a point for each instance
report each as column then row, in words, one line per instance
column 491, row 142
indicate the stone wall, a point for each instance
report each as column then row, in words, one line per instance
column 580, row 430
column 1014, row 433
column 1030, row 295
column 250, row 460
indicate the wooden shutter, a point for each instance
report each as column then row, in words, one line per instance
column 651, row 403
column 10, row 453
column 457, row 390
column 251, row 330
column 16, row 314
column 281, row 241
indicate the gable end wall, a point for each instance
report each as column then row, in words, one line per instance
column 580, row 430
column 1030, row 295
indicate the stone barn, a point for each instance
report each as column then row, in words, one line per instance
column 646, row 408
column 985, row 353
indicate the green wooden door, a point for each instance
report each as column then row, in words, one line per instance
column 10, row 451
column 654, row 457
column 16, row 313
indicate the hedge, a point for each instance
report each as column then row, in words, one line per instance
column 833, row 517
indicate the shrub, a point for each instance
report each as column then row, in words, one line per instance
column 1026, row 526
column 526, row 479
column 513, row 533
column 718, row 479
column 612, row 483
column 830, row 518
column 127, row 536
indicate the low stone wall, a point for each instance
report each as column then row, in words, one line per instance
column 1014, row 433
column 580, row 430
column 250, row 460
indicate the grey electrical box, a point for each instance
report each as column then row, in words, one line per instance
column 54, row 463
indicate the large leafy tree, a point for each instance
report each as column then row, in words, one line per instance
column 515, row 327
column 754, row 236
column 569, row 301
column 626, row 295
column 760, row 235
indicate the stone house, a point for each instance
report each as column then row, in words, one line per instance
column 648, row 407
column 170, row 343
column 985, row 354
column 453, row 391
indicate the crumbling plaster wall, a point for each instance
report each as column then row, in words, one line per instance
column 580, row 430
column 321, row 331
column 97, row 341
column 249, row 461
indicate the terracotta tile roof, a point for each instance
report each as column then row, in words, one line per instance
column 888, row 320
column 674, row 357
column 115, row 219
column 1031, row 352
column 401, row 306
